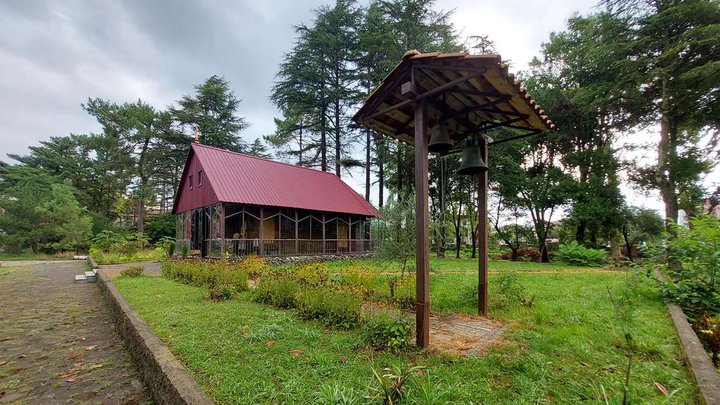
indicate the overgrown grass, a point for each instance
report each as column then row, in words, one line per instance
column 460, row 265
column 566, row 348
column 145, row 255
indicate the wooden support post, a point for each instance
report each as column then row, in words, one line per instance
column 297, row 225
column 482, row 234
column 349, row 234
column 261, row 251
column 323, row 233
column 422, row 253
column 222, row 230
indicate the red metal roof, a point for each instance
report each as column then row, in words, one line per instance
column 239, row 178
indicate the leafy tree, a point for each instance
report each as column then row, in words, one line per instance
column 394, row 232
column 527, row 174
column 39, row 212
column 160, row 227
column 96, row 165
column 640, row 225
column 316, row 88
column 573, row 81
column 673, row 66
column 213, row 111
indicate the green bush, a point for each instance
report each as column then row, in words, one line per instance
column 133, row 271
column 695, row 278
column 115, row 257
column 388, row 332
column 312, row 274
column 222, row 292
column 578, row 255
column 279, row 292
column 203, row 273
column 337, row 309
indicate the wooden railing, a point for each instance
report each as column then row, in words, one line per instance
column 295, row 247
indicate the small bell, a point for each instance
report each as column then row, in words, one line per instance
column 440, row 141
column 472, row 161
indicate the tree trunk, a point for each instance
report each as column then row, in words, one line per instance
column 323, row 139
column 338, row 158
column 399, row 173
column 367, row 164
column 628, row 243
column 379, row 152
column 666, row 156
column 141, row 215
column 580, row 232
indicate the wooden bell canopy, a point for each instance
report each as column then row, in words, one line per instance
column 471, row 94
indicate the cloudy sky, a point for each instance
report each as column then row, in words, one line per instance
column 55, row 54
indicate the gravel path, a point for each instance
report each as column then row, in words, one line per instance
column 57, row 341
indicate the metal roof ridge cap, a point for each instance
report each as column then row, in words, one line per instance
column 264, row 159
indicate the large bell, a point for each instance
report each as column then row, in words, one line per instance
column 472, row 161
column 440, row 141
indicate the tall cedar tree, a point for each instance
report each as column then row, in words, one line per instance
column 213, row 109
column 674, row 65
column 573, row 81
column 317, row 88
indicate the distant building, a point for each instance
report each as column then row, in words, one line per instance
column 232, row 203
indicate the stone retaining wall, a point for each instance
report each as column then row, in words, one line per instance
column 166, row 379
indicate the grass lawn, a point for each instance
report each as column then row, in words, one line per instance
column 465, row 265
column 565, row 349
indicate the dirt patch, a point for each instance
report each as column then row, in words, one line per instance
column 57, row 340
column 152, row 269
column 464, row 335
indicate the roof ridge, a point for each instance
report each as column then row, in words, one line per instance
column 262, row 159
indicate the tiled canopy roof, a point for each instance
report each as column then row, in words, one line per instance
column 238, row 178
column 471, row 93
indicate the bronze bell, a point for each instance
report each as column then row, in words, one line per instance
column 440, row 141
column 472, row 161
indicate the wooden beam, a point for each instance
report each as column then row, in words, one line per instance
column 422, row 252
column 422, row 96
column 262, row 232
column 455, row 68
column 222, row 230
column 482, row 235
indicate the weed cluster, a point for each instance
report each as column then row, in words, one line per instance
column 388, row 331
column 224, row 279
column 133, row 271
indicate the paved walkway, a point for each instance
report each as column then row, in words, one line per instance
column 57, row 341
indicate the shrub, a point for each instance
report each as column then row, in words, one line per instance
column 133, row 271
column 222, row 292
column 206, row 273
column 312, row 274
column 168, row 244
column 337, row 309
column 254, row 266
column 530, row 254
column 405, row 293
column 279, row 292
column 578, row 255
column 388, row 332
column 359, row 279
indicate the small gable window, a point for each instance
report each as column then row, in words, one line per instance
column 200, row 178
column 190, row 181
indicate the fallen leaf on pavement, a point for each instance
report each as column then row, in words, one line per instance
column 95, row 366
column 89, row 348
column 70, row 380
column 73, row 356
